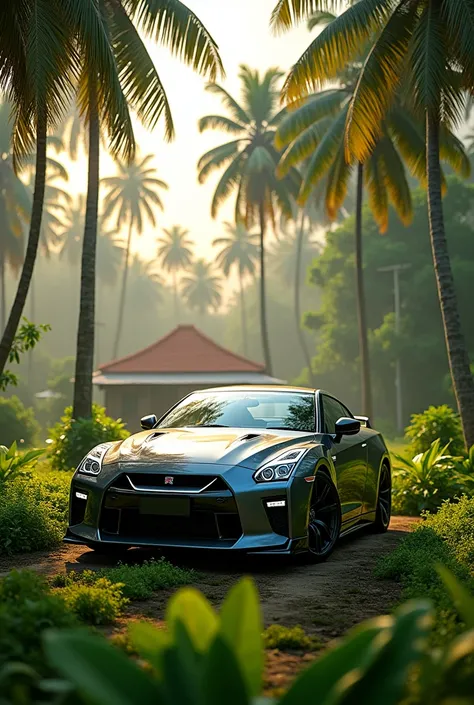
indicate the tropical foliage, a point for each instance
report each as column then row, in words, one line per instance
column 201, row 287
column 437, row 422
column 175, row 252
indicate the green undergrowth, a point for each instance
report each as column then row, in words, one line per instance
column 446, row 538
column 276, row 636
column 138, row 582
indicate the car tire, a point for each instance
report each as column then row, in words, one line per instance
column 384, row 501
column 324, row 518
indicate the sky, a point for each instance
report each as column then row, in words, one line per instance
column 241, row 29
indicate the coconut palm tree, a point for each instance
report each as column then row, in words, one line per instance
column 175, row 254
column 132, row 197
column 239, row 250
column 249, row 162
column 146, row 285
column 314, row 132
column 201, row 288
column 425, row 50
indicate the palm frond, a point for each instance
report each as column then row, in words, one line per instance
column 236, row 110
column 375, row 183
column 458, row 18
column 335, row 46
column 229, row 179
column 378, row 82
column 321, row 17
column 138, row 75
column 409, row 138
column 396, row 182
column 337, row 182
column 303, row 146
column 172, row 24
column 301, row 115
column 453, row 152
column 216, row 158
column 289, row 12
column 220, row 122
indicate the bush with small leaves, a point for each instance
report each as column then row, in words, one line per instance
column 17, row 423
column 72, row 438
column 277, row 636
column 97, row 604
column 437, row 422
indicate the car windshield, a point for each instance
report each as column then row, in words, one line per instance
column 294, row 411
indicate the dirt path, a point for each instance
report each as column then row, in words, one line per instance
column 325, row 599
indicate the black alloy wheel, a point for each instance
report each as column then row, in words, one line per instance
column 324, row 523
column 384, row 501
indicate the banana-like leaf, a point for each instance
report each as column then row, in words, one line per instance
column 190, row 608
column 222, row 679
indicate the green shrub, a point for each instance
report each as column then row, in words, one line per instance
column 13, row 464
column 17, row 423
column 276, row 636
column 97, row 604
column 27, row 608
column 447, row 538
column 33, row 512
column 425, row 481
column 72, row 439
column 138, row 582
column 436, row 422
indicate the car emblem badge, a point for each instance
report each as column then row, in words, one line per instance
column 169, row 480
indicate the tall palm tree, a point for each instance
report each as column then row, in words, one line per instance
column 250, row 160
column 201, row 288
column 430, row 46
column 315, row 132
column 240, row 249
column 175, row 254
column 132, row 196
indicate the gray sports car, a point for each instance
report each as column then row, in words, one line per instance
column 276, row 470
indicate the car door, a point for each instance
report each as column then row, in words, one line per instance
column 349, row 454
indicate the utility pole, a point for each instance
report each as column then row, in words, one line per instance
column 396, row 269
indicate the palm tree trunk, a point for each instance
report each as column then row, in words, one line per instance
column 243, row 314
column 299, row 328
column 263, row 303
column 366, row 396
column 175, row 293
column 32, row 247
column 33, row 320
column 123, row 294
column 463, row 382
column 82, row 403
column 3, row 292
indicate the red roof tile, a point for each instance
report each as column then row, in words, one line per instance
column 184, row 349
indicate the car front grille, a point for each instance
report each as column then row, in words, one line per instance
column 145, row 510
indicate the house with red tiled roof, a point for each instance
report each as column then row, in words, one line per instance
column 151, row 380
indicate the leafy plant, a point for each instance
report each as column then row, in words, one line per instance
column 72, row 438
column 17, row 423
column 13, row 464
column 277, row 636
column 437, row 422
column 423, row 482
column 33, row 512
column 99, row 603
column 26, row 338
column 464, row 468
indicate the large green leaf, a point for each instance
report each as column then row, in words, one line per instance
column 463, row 600
column 326, row 104
column 189, row 607
column 241, row 626
column 181, row 669
column 99, row 670
column 222, row 680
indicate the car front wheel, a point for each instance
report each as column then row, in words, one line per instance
column 324, row 523
column 384, row 501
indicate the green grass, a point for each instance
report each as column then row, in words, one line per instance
column 283, row 638
column 138, row 582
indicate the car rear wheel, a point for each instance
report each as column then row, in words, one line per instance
column 324, row 524
column 384, row 501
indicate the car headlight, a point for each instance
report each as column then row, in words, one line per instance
column 281, row 467
column 92, row 463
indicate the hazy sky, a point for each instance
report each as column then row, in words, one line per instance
column 241, row 29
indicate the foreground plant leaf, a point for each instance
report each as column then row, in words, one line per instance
column 241, row 626
column 463, row 600
column 190, row 607
column 99, row 670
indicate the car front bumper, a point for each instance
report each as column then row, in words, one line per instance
column 224, row 509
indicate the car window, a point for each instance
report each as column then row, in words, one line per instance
column 244, row 409
column 333, row 410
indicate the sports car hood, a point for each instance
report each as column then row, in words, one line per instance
column 221, row 446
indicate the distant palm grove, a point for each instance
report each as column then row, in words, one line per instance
column 336, row 184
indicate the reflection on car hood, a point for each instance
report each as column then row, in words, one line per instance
column 221, row 446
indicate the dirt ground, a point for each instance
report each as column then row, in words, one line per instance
column 325, row 599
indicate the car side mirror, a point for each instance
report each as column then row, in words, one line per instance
column 148, row 422
column 346, row 426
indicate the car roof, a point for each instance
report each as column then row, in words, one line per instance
column 260, row 388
